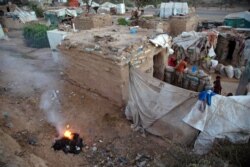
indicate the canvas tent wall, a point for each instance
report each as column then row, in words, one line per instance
column 226, row 118
column 238, row 20
column 159, row 108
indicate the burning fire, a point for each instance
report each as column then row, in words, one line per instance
column 68, row 134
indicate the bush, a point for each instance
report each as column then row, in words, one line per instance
column 38, row 10
column 123, row 21
column 35, row 35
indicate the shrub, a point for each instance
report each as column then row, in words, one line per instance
column 35, row 35
column 123, row 21
column 38, row 10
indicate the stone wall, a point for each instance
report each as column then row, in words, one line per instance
column 92, row 21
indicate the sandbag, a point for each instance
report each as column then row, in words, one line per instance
column 222, row 71
column 214, row 63
column 237, row 73
column 229, row 71
column 218, row 67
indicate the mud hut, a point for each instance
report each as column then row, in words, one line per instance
column 230, row 49
column 99, row 59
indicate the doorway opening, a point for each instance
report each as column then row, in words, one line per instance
column 231, row 47
column 159, row 65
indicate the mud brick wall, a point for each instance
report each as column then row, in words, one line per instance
column 143, row 57
column 11, row 23
column 11, row 7
column 153, row 24
column 94, row 21
column 103, row 75
column 180, row 24
column 97, row 74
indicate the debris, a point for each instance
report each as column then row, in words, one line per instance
column 32, row 140
column 94, row 149
column 73, row 145
column 7, row 121
column 122, row 161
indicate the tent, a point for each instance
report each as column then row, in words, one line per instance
column 238, row 20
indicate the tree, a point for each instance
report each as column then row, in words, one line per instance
column 88, row 4
column 141, row 3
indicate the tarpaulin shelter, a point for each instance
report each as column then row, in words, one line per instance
column 238, row 20
column 226, row 118
column 159, row 108
column 194, row 45
column 173, row 8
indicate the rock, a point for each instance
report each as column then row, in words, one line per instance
column 32, row 141
column 142, row 164
column 94, row 149
column 122, row 160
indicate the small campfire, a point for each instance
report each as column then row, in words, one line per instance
column 69, row 143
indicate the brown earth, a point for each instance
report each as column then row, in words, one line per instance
column 100, row 123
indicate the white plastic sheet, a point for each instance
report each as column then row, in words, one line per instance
column 164, row 41
column 159, row 107
column 187, row 39
column 226, row 118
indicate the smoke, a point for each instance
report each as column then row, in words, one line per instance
column 50, row 104
column 23, row 75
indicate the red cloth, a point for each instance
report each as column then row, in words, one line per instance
column 73, row 3
column 172, row 61
column 181, row 67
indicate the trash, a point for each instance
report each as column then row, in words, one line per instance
column 73, row 145
column 133, row 30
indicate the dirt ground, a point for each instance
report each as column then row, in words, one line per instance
column 26, row 136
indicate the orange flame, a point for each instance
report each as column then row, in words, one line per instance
column 68, row 134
